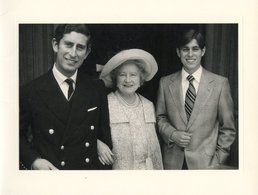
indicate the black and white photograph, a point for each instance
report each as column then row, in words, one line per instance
column 130, row 105
column 138, row 97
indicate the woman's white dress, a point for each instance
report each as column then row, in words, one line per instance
column 134, row 138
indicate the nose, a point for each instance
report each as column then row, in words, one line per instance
column 128, row 78
column 190, row 53
column 73, row 52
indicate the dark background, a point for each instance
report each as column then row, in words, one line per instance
column 36, row 55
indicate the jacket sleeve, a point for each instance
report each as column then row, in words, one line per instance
column 227, row 131
column 104, row 131
column 27, row 152
column 164, row 126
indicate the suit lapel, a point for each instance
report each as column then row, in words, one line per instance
column 81, row 101
column 51, row 94
column 177, row 95
column 204, row 92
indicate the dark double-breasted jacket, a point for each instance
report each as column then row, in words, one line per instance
column 64, row 133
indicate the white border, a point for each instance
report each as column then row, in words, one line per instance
column 242, row 181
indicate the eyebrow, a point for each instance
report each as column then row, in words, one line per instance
column 196, row 46
column 70, row 42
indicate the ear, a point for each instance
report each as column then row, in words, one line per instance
column 203, row 51
column 55, row 45
column 178, row 52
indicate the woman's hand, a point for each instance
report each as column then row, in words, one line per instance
column 105, row 154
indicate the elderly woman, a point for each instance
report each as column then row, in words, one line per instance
column 132, row 117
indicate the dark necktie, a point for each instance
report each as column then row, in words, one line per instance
column 190, row 97
column 70, row 90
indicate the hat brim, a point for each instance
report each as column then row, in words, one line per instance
column 146, row 59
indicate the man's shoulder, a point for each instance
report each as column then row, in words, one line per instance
column 89, row 80
column 37, row 81
column 214, row 76
column 170, row 77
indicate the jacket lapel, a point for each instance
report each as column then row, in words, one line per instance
column 116, row 112
column 204, row 92
column 51, row 94
column 80, row 102
column 148, row 110
column 81, row 99
column 177, row 95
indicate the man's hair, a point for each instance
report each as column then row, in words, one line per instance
column 187, row 36
column 62, row 29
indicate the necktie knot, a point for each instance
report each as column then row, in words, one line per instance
column 190, row 78
column 69, row 81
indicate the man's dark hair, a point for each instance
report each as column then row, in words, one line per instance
column 67, row 28
column 187, row 36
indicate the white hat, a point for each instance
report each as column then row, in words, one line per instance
column 147, row 60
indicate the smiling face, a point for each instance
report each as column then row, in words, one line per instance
column 71, row 52
column 128, row 79
column 190, row 56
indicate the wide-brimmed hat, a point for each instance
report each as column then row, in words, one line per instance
column 146, row 59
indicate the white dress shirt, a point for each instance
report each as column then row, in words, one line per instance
column 60, row 78
column 196, row 82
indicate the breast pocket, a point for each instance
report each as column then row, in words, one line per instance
column 92, row 112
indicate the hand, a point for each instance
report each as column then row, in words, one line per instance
column 105, row 154
column 181, row 138
column 42, row 164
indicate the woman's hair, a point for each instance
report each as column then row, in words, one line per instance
column 138, row 63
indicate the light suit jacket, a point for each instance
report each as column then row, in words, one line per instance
column 211, row 122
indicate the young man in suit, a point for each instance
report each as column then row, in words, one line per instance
column 194, row 111
column 66, row 111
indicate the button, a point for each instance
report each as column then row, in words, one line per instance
column 92, row 127
column 51, row 131
column 87, row 144
column 63, row 163
column 62, row 147
column 87, row 160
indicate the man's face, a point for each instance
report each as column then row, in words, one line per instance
column 71, row 52
column 190, row 56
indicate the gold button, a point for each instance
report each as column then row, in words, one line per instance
column 63, row 163
column 87, row 160
column 92, row 127
column 62, row 147
column 87, row 144
column 51, row 131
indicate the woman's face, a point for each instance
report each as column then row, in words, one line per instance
column 128, row 79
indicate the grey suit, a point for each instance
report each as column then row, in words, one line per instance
column 211, row 122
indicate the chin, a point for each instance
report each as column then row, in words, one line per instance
column 129, row 92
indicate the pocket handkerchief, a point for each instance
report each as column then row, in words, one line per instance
column 90, row 109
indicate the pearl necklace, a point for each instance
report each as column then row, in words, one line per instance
column 134, row 104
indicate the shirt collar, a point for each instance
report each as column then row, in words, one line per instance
column 60, row 78
column 197, row 74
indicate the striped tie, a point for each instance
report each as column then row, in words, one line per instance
column 190, row 97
